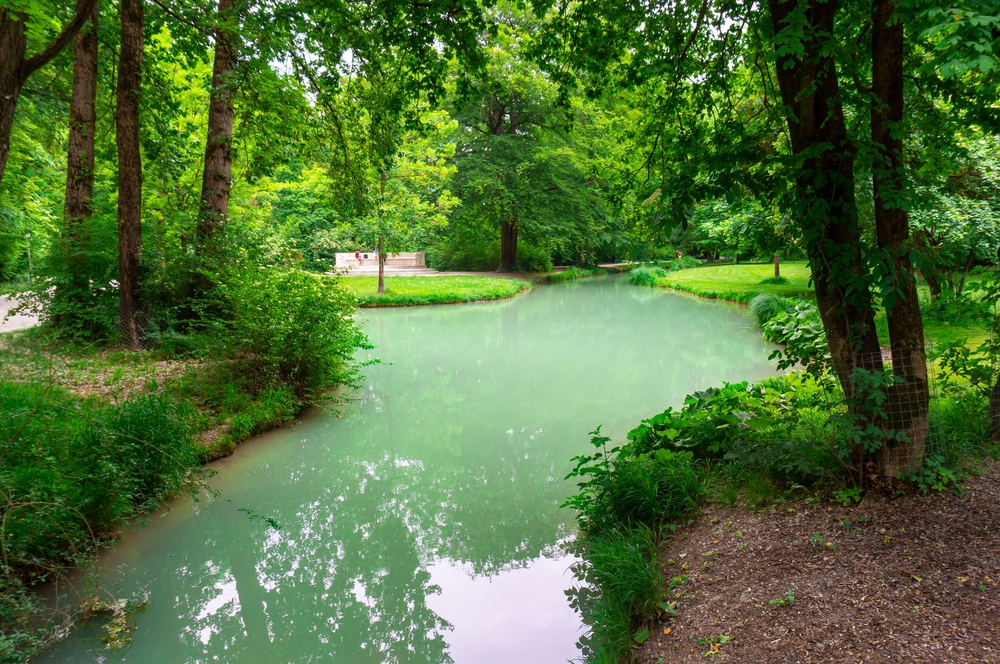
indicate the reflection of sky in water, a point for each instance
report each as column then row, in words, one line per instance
column 423, row 524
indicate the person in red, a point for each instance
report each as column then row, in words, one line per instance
column 357, row 257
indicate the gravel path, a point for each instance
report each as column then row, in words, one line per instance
column 914, row 580
column 13, row 322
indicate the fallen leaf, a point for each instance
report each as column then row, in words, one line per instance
column 668, row 630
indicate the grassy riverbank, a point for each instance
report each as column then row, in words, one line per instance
column 742, row 282
column 95, row 436
column 410, row 291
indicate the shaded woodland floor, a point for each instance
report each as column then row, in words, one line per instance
column 910, row 580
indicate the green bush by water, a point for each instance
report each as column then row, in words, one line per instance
column 71, row 473
column 646, row 276
column 288, row 328
column 766, row 306
column 625, row 587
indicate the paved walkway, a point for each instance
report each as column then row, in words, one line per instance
column 8, row 323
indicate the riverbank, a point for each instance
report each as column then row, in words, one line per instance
column 741, row 282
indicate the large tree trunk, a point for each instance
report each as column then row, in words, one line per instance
column 508, row 244
column 907, row 404
column 80, row 156
column 826, row 197
column 217, row 176
column 12, row 46
column 15, row 68
column 129, row 172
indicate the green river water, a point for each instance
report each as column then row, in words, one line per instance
column 422, row 524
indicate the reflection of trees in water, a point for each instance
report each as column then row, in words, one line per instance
column 351, row 586
column 453, row 453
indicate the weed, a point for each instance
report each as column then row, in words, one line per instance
column 787, row 600
column 847, row 496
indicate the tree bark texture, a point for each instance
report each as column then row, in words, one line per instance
column 381, row 266
column 15, row 67
column 217, row 176
column 82, row 127
column 777, row 267
column 129, row 172
column 907, row 405
column 508, row 244
column 826, row 197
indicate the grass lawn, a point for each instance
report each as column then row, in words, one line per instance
column 739, row 282
column 407, row 291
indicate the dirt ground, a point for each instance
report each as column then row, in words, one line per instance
column 910, row 580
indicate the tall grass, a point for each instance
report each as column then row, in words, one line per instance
column 71, row 473
column 623, row 567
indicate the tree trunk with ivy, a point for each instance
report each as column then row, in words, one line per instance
column 908, row 398
column 826, row 197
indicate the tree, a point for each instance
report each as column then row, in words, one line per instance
column 82, row 131
column 909, row 396
column 129, row 172
column 16, row 67
column 218, row 168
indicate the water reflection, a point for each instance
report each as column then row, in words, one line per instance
column 423, row 524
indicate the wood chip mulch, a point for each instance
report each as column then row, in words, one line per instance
column 910, row 580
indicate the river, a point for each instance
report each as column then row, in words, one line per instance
column 420, row 522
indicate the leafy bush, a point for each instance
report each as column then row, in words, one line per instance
column 684, row 263
column 766, row 306
column 800, row 329
column 288, row 327
column 533, row 259
column 623, row 489
column 646, row 276
column 774, row 281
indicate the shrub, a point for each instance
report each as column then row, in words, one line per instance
column 684, row 263
column 774, row 281
column 288, row 327
column 766, row 306
column 619, row 488
column 646, row 276
column 533, row 259
column 801, row 330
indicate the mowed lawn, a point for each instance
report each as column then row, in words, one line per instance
column 409, row 291
column 739, row 282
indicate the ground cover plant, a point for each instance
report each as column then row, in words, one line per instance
column 409, row 291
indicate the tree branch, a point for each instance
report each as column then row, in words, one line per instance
column 38, row 61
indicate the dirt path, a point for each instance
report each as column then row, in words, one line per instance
column 13, row 322
column 915, row 581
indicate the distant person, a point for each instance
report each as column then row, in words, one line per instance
column 357, row 257
column 679, row 254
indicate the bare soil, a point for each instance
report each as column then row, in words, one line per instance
column 909, row 580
